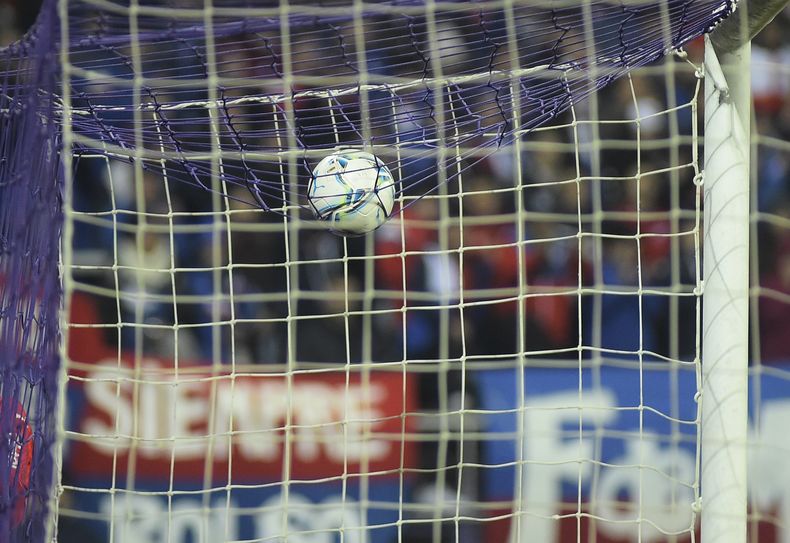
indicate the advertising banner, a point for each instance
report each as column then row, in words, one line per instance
column 199, row 456
column 618, row 445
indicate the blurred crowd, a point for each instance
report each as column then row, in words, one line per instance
column 459, row 265
column 542, row 254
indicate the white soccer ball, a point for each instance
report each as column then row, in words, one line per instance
column 353, row 191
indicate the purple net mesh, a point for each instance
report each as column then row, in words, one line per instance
column 30, row 292
column 177, row 90
column 277, row 108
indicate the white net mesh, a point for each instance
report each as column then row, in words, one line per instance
column 513, row 357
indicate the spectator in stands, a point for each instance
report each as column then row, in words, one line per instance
column 329, row 333
column 769, row 86
column 258, row 248
column 627, row 321
column 491, row 261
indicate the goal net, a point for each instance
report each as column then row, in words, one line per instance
column 514, row 356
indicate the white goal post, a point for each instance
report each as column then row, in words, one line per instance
column 549, row 343
column 725, row 355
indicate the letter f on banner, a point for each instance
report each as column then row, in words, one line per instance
column 553, row 451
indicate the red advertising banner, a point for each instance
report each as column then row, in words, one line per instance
column 153, row 417
column 254, row 426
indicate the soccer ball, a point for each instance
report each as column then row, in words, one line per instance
column 352, row 191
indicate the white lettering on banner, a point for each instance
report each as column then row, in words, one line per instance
column 106, row 397
column 326, row 417
column 190, row 414
column 769, row 463
column 146, row 518
column 552, row 458
column 311, row 523
column 554, row 454
column 245, row 407
column 664, row 475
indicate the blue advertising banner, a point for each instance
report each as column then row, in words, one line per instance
column 619, row 442
column 317, row 511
